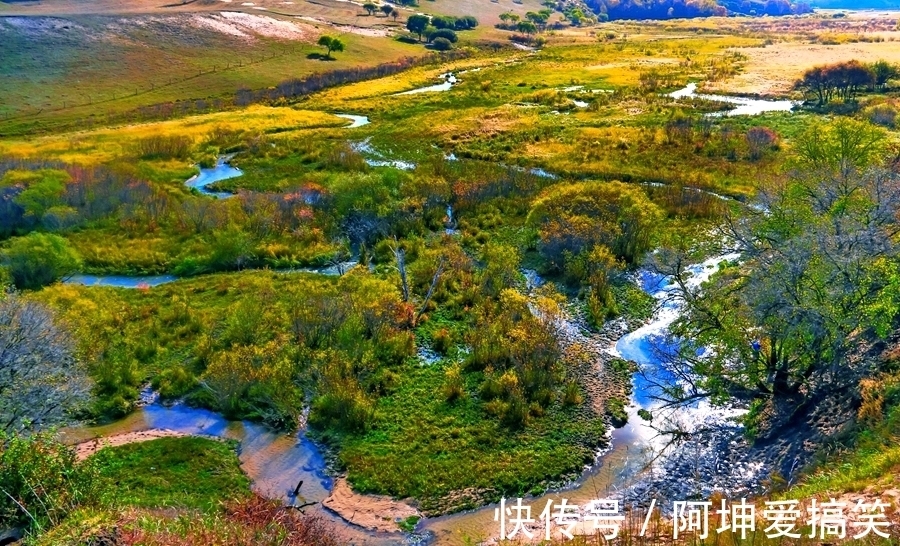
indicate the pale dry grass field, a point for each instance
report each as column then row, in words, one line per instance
column 772, row 70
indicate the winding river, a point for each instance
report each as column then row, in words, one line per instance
column 222, row 171
column 743, row 106
column 276, row 462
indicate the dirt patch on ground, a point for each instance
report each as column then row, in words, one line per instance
column 248, row 25
column 373, row 512
column 772, row 70
column 364, row 31
column 88, row 448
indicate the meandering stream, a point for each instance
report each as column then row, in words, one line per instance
column 222, row 171
column 449, row 80
column 743, row 106
column 276, row 462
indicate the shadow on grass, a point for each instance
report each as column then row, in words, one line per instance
column 320, row 57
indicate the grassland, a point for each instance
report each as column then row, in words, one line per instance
column 511, row 110
column 140, row 53
column 142, row 60
column 193, row 473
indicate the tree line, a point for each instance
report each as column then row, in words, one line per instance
column 670, row 9
column 845, row 79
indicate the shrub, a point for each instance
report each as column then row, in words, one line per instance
column 42, row 476
column 442, row 340
column 341, row 403
column 576, row 218
column 442, row 44
column 572, row 394
column 443, row 33
column 454, row 386
column 254, row 382
column 884, row 115
column 615, row 409
column 39, row 259
column 174, row 382
column 759, row 139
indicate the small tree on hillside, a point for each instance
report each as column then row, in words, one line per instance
column 370, row 7
column 884, row 72
column 527, row 27
column 331, row 44
column 418, row 24
column 386, row 9
column 395, row 14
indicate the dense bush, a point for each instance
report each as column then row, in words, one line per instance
column 445, row 33
column 520, row 356
column 39, row 259
column 760, row 139
column 574, row 218
column 884, row 115
column 442, row 44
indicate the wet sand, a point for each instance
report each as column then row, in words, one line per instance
column 85, row 449
column 372, row 512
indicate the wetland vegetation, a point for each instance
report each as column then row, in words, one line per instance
column 483, row 239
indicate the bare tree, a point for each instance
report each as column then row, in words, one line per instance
column 400, row 256
column 434, row 281
column 41, row 381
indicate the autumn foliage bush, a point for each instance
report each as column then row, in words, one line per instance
column 574, row 218
column 519, row 354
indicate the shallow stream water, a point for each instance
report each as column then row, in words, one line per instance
column 449, row 81
column 222, row 171
column 743, row 106
column 275, row 462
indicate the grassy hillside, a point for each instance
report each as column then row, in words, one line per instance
column 60, row 71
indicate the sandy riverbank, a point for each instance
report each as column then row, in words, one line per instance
column 372, row 512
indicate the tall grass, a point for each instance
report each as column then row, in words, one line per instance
column 164, row 147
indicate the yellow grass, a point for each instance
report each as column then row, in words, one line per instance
column 91, row 147
column 409, row 79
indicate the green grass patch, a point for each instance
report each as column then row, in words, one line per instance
column 185, row 472
column 426, row 448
